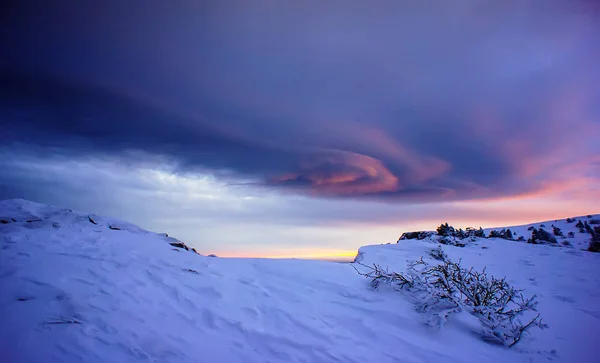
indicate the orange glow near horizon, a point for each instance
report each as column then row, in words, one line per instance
column 317, row 255
column 493, row 215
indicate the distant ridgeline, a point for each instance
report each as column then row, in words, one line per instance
column 446, row 234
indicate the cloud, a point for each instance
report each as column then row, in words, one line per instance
column 342, row 173
column 399, row 103
column 243, row 220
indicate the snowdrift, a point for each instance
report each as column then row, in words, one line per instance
column 76, row 287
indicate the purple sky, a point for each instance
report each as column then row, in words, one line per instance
column 274, row 128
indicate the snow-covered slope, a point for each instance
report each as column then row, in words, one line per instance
column 76, row 291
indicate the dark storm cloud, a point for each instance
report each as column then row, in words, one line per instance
column 412, row 101
column 91, row 119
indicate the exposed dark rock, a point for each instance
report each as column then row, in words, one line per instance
column 447, row 240
column 91, row 220
column 179, row 245
column 4, row 221
column 419, row 235
column 114, row 228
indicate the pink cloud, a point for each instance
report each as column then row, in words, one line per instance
column 377, row 143
column 341, row 173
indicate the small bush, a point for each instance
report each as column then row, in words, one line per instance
column 571, row 235
column 570, row 220
column 440, row 290
column 557, row 232
column 594, row 245
column 521, row 238
column 531, row 228
column 509, row 234
column 494, row 234
column 594, row 221
column 503, row 233
column 438, row 254
column 588, row 228
column 472, row 232
column 541, row 236
column 480, row 233
column 445, row 230
column 580, row 226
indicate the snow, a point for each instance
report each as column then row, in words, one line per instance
column 75, row 291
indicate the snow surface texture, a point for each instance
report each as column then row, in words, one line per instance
column 76, row 291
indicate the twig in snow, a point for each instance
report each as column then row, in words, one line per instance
column 54, row 321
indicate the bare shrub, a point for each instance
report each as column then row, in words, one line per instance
column 446, row 288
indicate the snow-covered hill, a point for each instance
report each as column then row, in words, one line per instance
column 571, row 234
column 76, row 287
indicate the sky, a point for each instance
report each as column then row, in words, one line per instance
column 304, row 129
